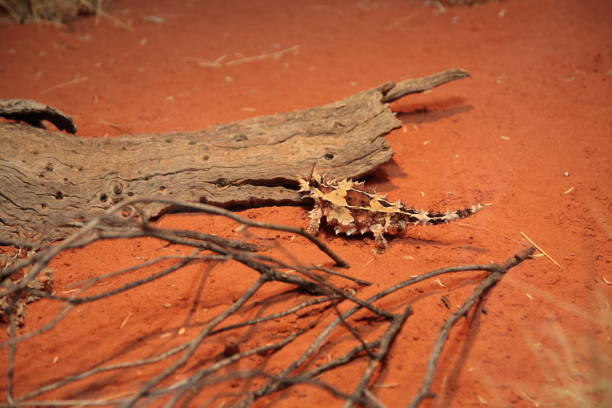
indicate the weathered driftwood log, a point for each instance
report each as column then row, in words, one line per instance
column 51, row 181
column 33, row 113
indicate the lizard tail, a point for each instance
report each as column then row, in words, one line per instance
column 420, row 217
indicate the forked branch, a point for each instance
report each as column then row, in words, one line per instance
column 177, row 376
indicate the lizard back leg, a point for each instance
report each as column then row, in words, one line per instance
column 315, row 216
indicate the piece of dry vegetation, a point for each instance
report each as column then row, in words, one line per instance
column 17, row 304
column 55, row 11
column 184, row 373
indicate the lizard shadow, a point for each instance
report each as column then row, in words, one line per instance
column 381, row 179
column 368, row 239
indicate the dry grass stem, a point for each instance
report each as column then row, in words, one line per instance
column 218, row 63
column 64, row 84
column 541, row 250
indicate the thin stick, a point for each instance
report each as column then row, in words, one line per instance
column 245, row 221
column 75, row 239
column 327, row 331
column 124, row 322
column 101, row 369
column 479, row 291
column 355, row 333
column 207, row 64
column 191, row 383
column 273, row 55
column 115, row 20
column 277, row 315
column 10, row 372
column 342, row 275
column 193, row 346
column 385, row 344
column 541, row 250
column 399, row 21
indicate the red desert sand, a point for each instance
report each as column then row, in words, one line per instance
column 529, row 132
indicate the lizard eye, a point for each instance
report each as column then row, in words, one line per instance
column 329, row 156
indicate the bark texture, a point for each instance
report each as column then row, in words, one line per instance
column 50, row 182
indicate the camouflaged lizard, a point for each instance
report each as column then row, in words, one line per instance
column 351, row 209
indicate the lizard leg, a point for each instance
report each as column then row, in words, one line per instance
column 379, row 237
column 315, row 216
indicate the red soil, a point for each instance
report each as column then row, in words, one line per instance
column 529, row 132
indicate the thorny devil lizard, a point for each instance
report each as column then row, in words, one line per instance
column 350, row 208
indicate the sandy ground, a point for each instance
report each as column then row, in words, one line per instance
column 530, row 132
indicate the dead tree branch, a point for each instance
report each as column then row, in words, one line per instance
column 50, row 181
column 34, row 113
column 178, row 376
column 499, row 270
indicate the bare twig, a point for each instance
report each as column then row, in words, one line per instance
column 273, row 385
column 479, row 291
column 342, row 275
column 10, row 372
column 355, row 334
column 192, row 383
column 385, row 344
column 194, row 345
